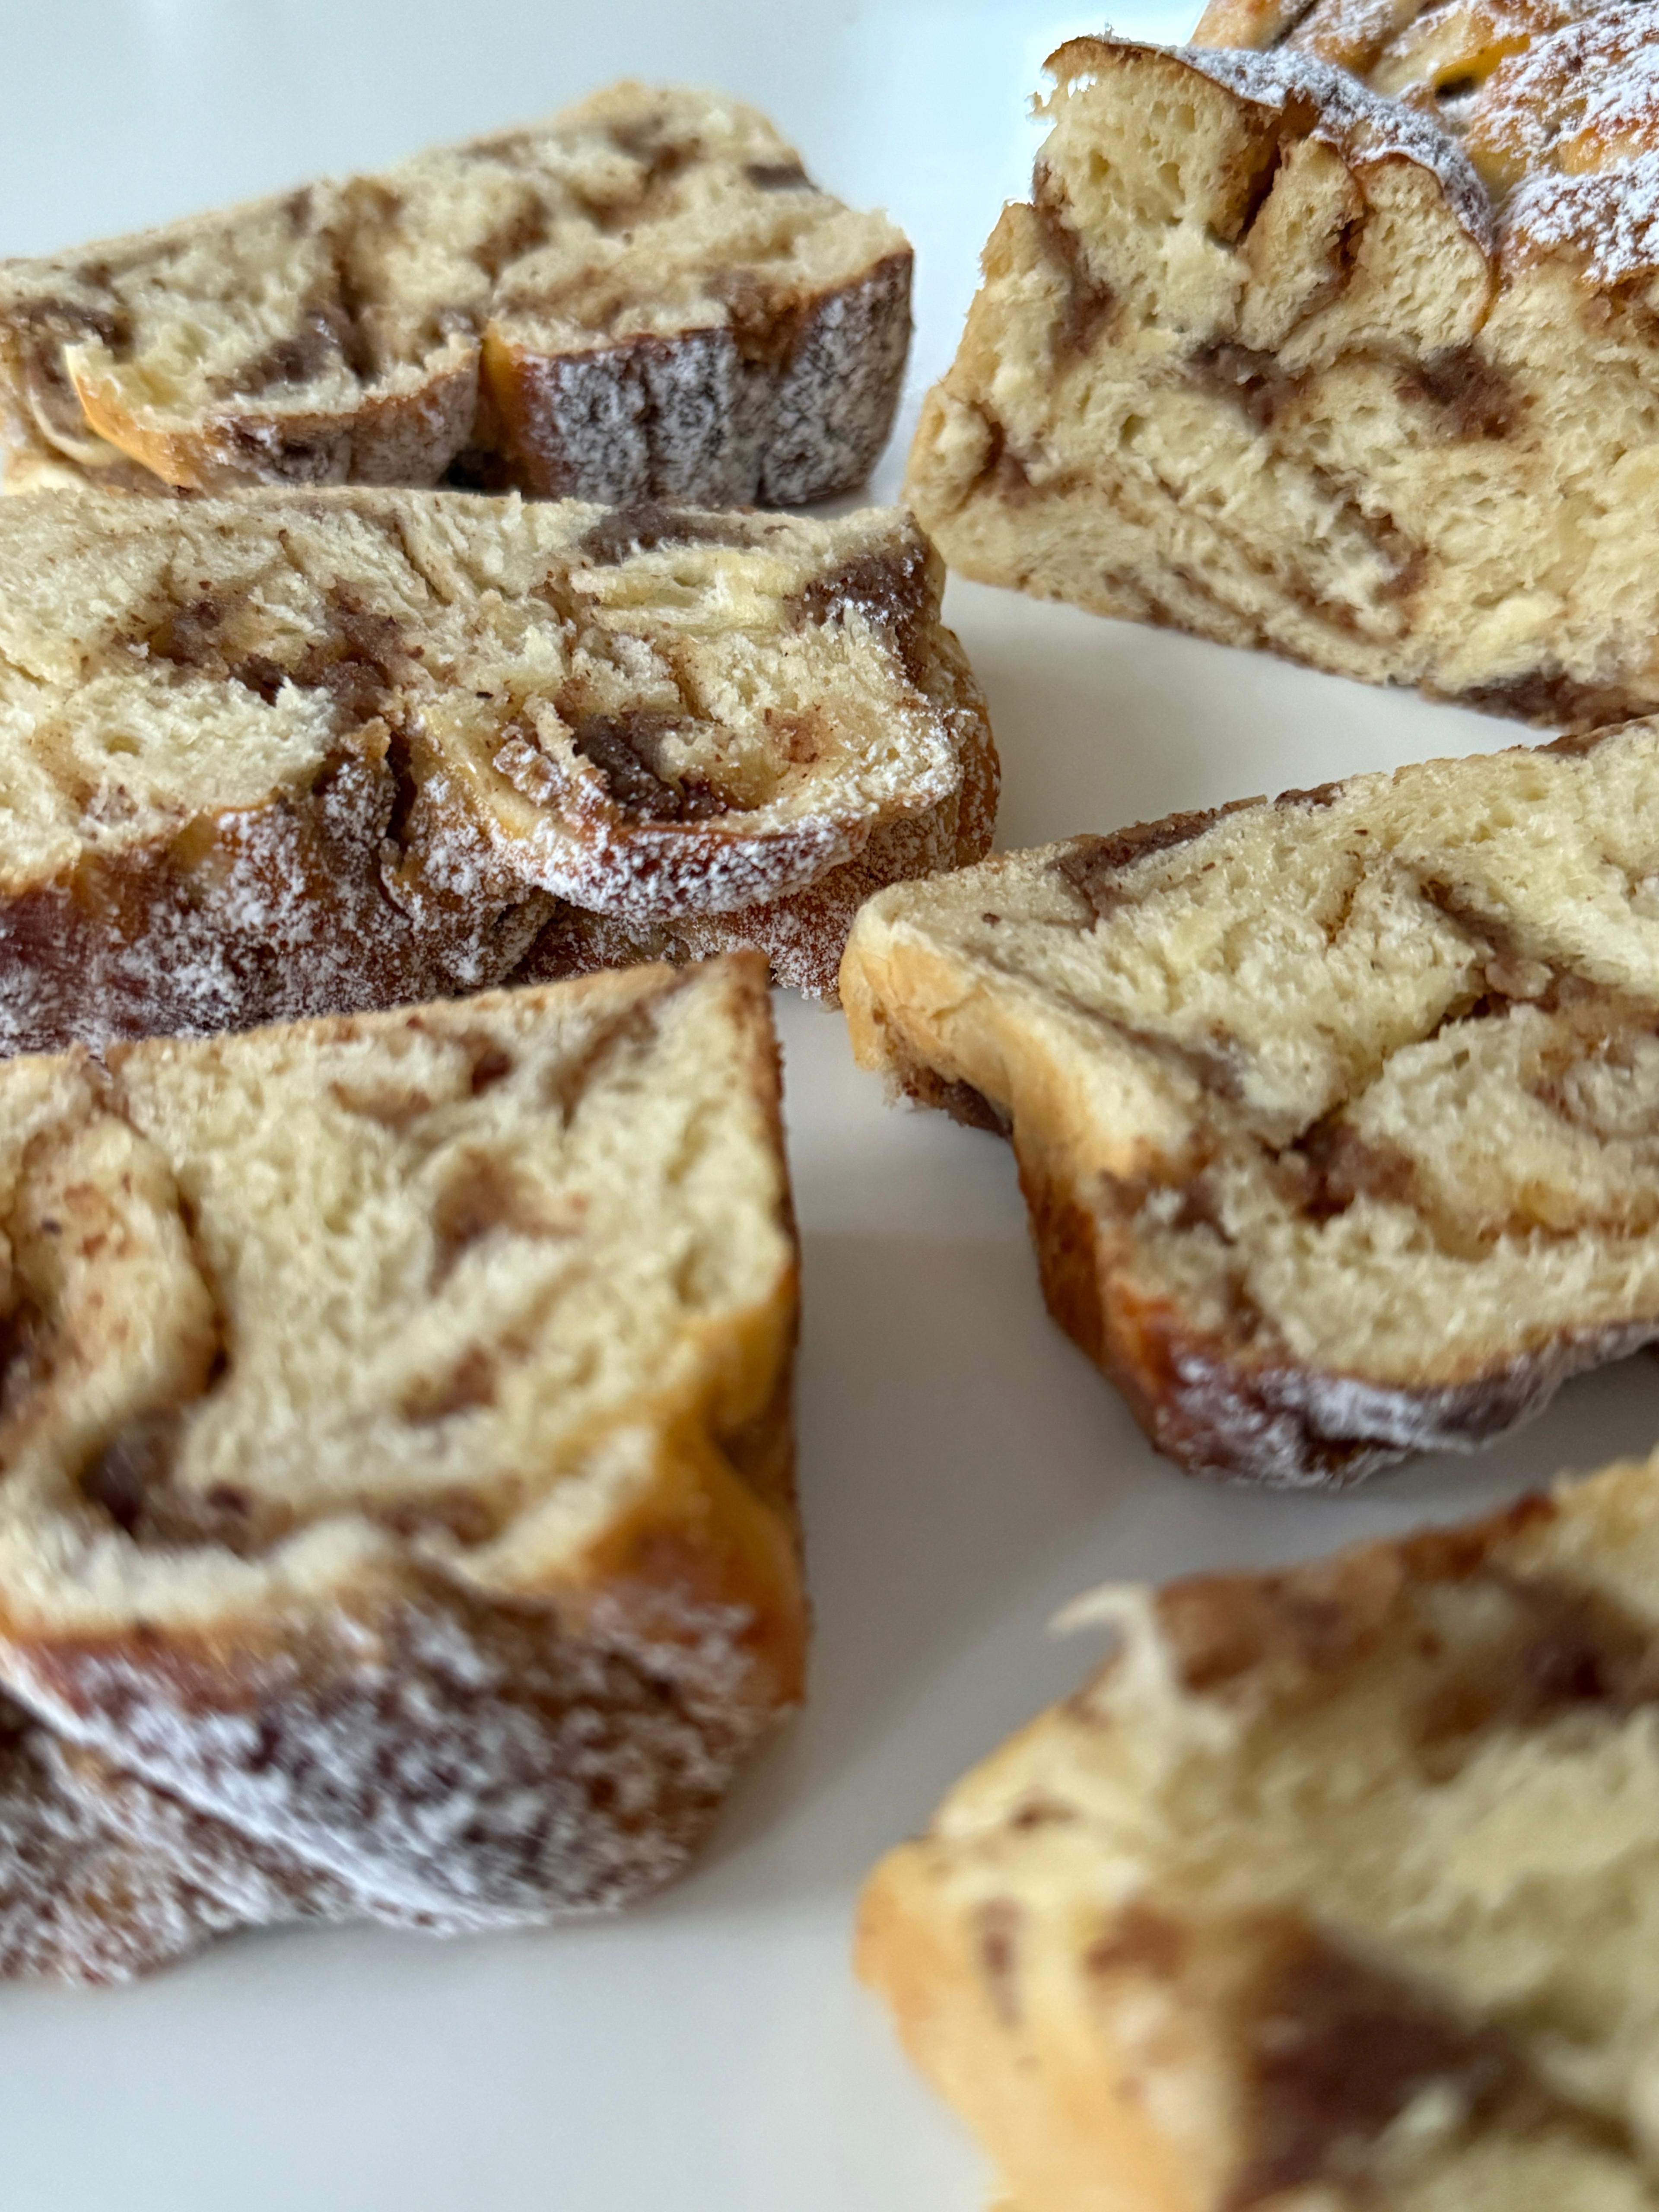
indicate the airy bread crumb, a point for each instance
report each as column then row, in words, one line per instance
column 1334, row 1888
column 296, row 753
column 1356, row 367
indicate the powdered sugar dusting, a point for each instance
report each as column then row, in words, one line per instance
column 1360, row 124
column 1595, row 83
column 696, row 418
column 361, row 883
column 1350, row 26
column 757, row 373
column 79, row 1900
column 474, row 1769
column 1580, row 110
column 1609, row 221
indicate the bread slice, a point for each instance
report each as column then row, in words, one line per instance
column 397, row 1515
column 1358, row 372
column 1337, row 1116
column 1334, row 1891
column 644, row 297
column 299, row 753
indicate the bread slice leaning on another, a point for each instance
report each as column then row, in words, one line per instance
column 1337, row 1115
column 396, row 1513
column 643, row 297
column 304, row 753
column 1335, row 1890
column 1359, row 372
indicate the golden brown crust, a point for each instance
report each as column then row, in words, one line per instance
column 404, row 439
column 1530, row 87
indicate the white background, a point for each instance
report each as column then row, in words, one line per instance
column 963, row 1470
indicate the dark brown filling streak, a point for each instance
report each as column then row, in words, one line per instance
column 1337, row 2050
column 130, row 1477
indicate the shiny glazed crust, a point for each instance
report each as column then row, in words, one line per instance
column 645, row 298
column 405, row 1710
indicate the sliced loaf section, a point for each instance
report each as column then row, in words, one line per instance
column 1334, row 1887
column 1356, row 372
column 1338, row 1116
column 302, row 753
column 644, row 297
column 396, row 1499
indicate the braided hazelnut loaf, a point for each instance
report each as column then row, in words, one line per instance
column 643, row 298
column 396, row 1500
column 1359, row 368
column 299, row 753
column 1335, row 1890
column 1337, row 1116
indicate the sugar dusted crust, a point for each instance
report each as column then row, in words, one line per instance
column 453, row 740
column 1294, row 1900
column 644, row 298
column 1333, row 1115
column 1362, row 126
column 1328, row 334
column 79, row 1899
column 479, row 1638
column 1270, row 1421
column 804, row 933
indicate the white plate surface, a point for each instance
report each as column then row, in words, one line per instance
column 964, row 1470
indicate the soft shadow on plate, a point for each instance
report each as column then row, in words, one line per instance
column 1101, row 723
column 966, row 1472
column 953, row 1443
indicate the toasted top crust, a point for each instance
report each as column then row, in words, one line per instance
column 291, row 1312
column 1336, row 1881
column 646, row 713
column 1556, row 102
column 1360, row 1082
column 229, row 348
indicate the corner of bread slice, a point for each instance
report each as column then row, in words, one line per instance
column 822, row 702
column 409, row 1395
column 1324, row 1889
column 1331, row 1112
column 104, row 1878
column 1259, row 343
